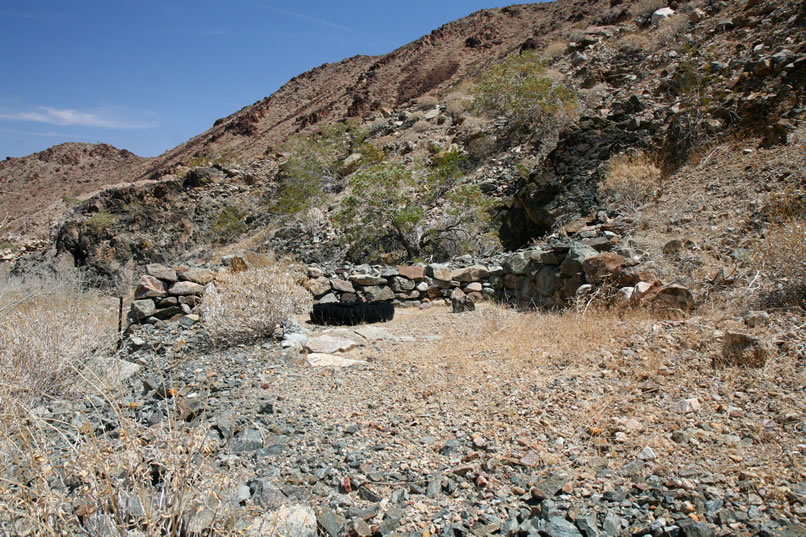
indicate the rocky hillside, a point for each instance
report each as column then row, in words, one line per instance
column 667, row 90
column 362, row 85
column 355, row 87
column 38, row 190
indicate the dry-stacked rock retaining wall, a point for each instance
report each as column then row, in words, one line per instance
column 545, row 276
column 166, row 293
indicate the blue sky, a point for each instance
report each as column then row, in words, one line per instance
column 147, row 75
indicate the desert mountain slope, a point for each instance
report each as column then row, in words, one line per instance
column 40, row 188
column 360, row 85
column 711, row 72
column 353, row 87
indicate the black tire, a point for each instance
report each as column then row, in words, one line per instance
column 339, row 314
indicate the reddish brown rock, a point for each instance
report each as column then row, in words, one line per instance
column 742, row 350
column 186, row 288
column 604, row 267
column 149, row 287
column 412, row 272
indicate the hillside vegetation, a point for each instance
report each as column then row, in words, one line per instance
column 679, row 142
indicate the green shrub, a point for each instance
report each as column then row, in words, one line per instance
column 520, row 89
column 101, row 221
column 70, row 201
column 699, row 93
column 314, row 167
column 426, row 214
column 229, row 224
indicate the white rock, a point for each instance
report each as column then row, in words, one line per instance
column 660, row 14
column 328, row 344
column 318, row 359
column 647, row 454
column 684, row 406
column 375, row 333
column 288, row 521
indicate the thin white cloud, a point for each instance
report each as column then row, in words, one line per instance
column 302, row 16
column 64, row 117
column 49, row 134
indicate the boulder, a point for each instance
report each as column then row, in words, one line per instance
column 605, row 267
column 376, row 292
column 367, row 279
column 661, row 14
column 162, row 272
column 630, row 276
column 470, row 274
column 186, row 288
column 439, row 271
column 513, row 281
column 342, row 286
column 402, row 285
column 143, row 308
column 433, row 292
column 673, row 297
column 202, row 176
column 547, row 280
column 167, row 313
column 149, row 287
column 546, row 258
column 624, row 296
column 315, row 272
column 739, row 349
column 317, row 286
column 462, row 302
column 328, row 344
column 350, row 163
column 413, row 272
column 756, row 318
column 201, row 276
column 516, row 263
column 576, row 256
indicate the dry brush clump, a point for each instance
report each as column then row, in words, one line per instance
column 555, row 49
column 632, row 180
column 89, row 469
column 51, row 330
column 64, row 478
column 507, row 342
column 645, row 8
column 781, row 254
column 248, row 305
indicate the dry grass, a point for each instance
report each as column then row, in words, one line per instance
column 248, row 305
column 634, row 43
column 61, row 478
column 669, row 30
column 555, row 49
column 51, row 331
column 510, row 344
column 88, row 469
column 645, row 8
column 781, row 254
column 632, row 180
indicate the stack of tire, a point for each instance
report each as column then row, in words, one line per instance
column 340, row 314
